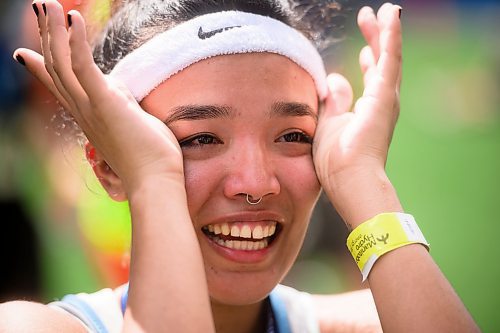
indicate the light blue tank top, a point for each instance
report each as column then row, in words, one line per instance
column 289, row 310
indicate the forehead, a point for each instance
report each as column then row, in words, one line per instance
column 236, row 80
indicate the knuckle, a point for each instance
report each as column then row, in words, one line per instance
column 398, row 54
column 77, row 65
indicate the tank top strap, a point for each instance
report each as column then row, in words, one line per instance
column 285, row 303
column 279, row 312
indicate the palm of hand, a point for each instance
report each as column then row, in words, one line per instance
column 133, row 142
column 108, row 114
column 354, row 144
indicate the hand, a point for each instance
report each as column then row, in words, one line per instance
column 350, row 149
column 134, row 143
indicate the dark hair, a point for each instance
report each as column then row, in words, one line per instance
column 136, row 21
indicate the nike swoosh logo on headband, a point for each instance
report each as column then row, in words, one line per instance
column 208, row 34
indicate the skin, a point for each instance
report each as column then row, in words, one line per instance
column 349, row 154
column 253, row 149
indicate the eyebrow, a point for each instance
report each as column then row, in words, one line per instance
column 200, row 112
column 293, row 109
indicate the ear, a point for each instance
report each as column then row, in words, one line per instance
column 106, row 176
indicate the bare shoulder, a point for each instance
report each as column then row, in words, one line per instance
column 347, row 312
column 24, row 316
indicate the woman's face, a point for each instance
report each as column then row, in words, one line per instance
column 245, row 125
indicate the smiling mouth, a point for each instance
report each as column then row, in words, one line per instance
column 243, row 236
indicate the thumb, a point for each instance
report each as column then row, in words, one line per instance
column 339, row 99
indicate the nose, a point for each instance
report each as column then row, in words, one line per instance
column 250, row 170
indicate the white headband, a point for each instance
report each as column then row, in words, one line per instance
column 210, row 35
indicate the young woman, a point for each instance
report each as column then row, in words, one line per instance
column 205, row 124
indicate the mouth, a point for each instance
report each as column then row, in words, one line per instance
column 243, row 236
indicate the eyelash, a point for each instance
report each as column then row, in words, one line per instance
column 190, row 142
column 296, row 137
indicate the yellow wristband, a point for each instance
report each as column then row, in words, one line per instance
column 381, row 234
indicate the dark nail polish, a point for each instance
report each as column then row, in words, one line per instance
column 400, row 12
column 69, row 20
column 20, row 59
column 35, row 9
column 44, row 8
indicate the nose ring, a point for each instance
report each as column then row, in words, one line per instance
column 250, row 202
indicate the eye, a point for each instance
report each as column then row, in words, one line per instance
column 298, row 137
column 199, row 140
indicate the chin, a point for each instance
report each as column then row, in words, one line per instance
column 241, row 288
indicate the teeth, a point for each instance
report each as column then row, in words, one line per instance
column 235, row 231
column 265, row 232
column 247, row 231
column 257, row 233
column 225, row 229
column 272, row 229
column 244, row 245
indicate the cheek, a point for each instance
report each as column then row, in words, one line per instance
column 201, row 179
column 299, row 177
column 303, row 189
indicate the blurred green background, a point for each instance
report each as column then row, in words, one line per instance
column 444, row 161
column 445, row 155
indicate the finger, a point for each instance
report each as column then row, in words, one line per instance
column 369, row 28
column 91, row 79
column 42, row 30
column 367, row 64
column 390, row 45
column 340, row 95
column 35, row 65
column 389, row 63
column 382, row 12
column 61, row 54
column 400, row 75
column 368, row 114
column 47, row 55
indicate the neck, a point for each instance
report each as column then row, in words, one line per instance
column 240, row 318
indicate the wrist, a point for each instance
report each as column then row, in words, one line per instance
column 159, row 213
column 381, row 234
column 167, row 168
column 154, row 182
column 158, row 193
column 359, row 195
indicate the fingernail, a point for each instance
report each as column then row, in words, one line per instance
column 20, row 59
column 44, row 8
column 35, row 9
column 69, row 20
column 400, row 10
